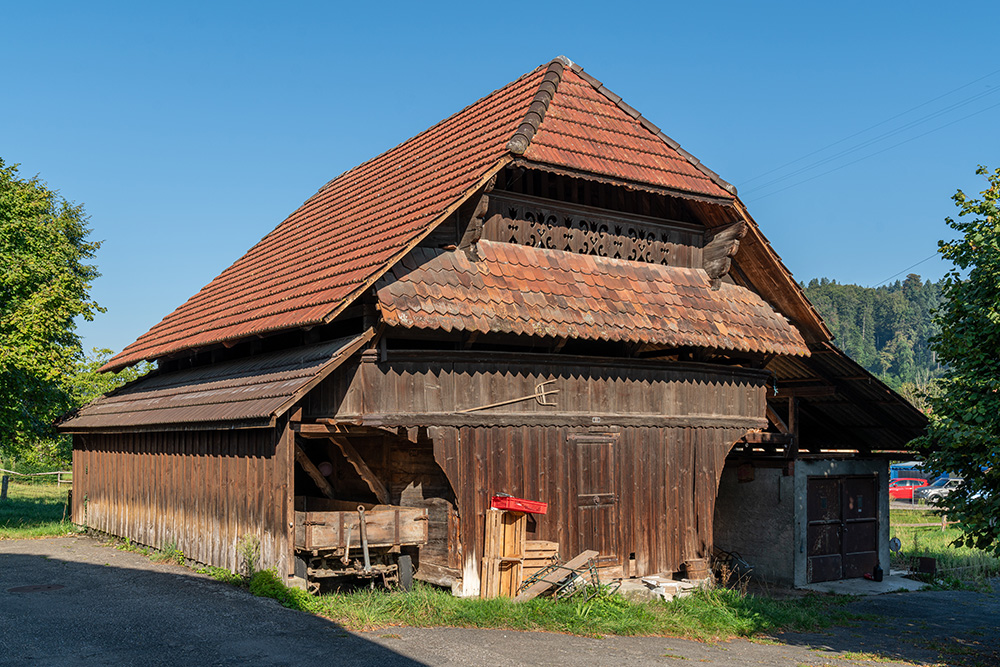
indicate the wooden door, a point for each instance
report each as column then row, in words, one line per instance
column 597, row 494
column 842, row 531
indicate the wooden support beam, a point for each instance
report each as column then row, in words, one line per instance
column 767, row 438
column 860, row 402
column 793, row 426
column 354, row 458
column 776, row 419
column 720, row 249
column 313, row 472
column 826, row 423
column 810, row 391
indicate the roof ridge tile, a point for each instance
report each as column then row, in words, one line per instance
column 539, row 105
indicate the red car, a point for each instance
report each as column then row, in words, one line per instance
column 902, row 488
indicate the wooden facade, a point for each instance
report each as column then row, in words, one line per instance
column 478, row 311
column 199, row 491
column 627, row 455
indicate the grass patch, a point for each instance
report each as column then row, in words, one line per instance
column 707, row 615
column 957, row 566
column 34, row 510
column 168, row 554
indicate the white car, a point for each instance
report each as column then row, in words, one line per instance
column 937, row 490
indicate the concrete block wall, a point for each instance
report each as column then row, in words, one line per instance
column 757, row 520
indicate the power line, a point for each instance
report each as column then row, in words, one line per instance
column 905, row 270
column 879, row 152
column 872, row 127
column 875, row 140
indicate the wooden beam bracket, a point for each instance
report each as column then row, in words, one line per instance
column 354, row 458
column 303, row 460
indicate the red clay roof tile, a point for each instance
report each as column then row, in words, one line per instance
column 730, row 318
column 361, row 223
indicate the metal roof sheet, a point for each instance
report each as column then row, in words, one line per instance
column 248, row 392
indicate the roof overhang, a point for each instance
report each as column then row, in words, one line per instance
column 511, row 289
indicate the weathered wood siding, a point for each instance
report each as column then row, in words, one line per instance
column 628, row 458
column 650, row 493
column 200, row 490
column 446, row 389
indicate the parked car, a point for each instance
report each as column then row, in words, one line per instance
column 902, row 488
column 938, row 490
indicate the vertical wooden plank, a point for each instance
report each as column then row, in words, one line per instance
column 155, row 485
column 196, row 507
column 289, row 504
column 260, row 496
column 138, row 531
column 159, row 489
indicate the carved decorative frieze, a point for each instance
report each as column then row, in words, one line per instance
column 543, row 225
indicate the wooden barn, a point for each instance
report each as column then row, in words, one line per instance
column 542, row 296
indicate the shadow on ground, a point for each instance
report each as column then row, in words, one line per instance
column 955, row 628
column 100, row 606
column 119, row 608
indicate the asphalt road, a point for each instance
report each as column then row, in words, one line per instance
column 94, row 605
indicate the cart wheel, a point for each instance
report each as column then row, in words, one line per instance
column 404, row 567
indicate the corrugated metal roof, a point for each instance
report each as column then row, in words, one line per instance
column 343, row 238
column 248, row 393
column 538, row 292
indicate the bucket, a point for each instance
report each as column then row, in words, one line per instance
column 696, row 569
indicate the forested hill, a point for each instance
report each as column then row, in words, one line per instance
column 885, row 329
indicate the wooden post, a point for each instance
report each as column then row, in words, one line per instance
column 313, row 472
column 3, row 487
column 944, row 522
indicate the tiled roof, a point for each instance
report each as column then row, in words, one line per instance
column 586, row 130
column 247, row 392
column 343, row 238
column 538, row 292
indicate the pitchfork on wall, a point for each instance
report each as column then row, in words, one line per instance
column 541, row 397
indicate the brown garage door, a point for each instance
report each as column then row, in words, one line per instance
column 842, row 534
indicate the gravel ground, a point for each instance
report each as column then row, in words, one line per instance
column 120, row 608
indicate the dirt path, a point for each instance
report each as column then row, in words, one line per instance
column 119, row 608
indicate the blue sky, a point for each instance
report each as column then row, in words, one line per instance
column 189, row 130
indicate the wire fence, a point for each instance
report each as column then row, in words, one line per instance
column 62, row 476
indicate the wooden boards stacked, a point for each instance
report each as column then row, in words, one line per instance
column 537, row 555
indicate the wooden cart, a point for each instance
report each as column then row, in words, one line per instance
column 366, row 542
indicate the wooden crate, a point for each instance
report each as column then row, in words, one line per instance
column 503, row 553
column 537, row 555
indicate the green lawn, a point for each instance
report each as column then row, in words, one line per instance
column 715, row 614
column 961, row 563
column 34, row 510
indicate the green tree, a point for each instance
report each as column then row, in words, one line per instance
column 86, row 383
column 964, row 432
column 885, row 329
column 45, row 281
